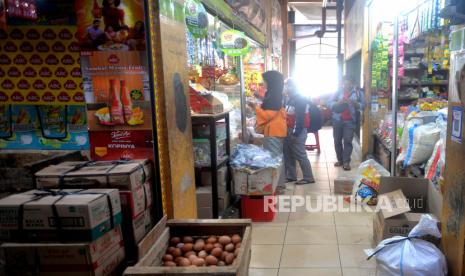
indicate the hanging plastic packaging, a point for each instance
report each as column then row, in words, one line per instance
column 412, row 255
column 366, row 185
column 253, row 157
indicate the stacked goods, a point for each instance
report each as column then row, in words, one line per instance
column 132, row 178
column 62, row 231
column 206, row 251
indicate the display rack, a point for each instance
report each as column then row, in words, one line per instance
column 211, row 120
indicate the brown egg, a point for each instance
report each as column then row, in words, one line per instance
column 192, row 258
column 217, row 252
column 184, row 262
column 229, row 247
column 223, row 255
column 208, row 247
column 224, row 240
column 229, row 259
column 187, row 239
column 236, row 252
column 221, row 263
column 236, row 239
column 199, row 246
column 169, row 263
column 238, row 245
column 211, row 260
column 177, row 260
column 199, row 262
column 187, row 247
column 212, row 239
column 179, row 245
column 177, row 252
column 219, row 245
column 175, row 240
column 200, row 241
column 202, row 254
column 190, row 253
column 170, row 250
column 167, row 258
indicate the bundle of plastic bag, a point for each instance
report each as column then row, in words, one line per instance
column 366, row 185
column 253, row 157
column 412, row 255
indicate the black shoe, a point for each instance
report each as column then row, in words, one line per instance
column 347, row 167
column 338, row 164
column 305, row 181
column 288, row 180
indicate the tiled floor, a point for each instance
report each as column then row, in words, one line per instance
column 314, row 243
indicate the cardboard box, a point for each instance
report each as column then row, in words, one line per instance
column 343, row 185
column 84, row 215
column 101, row 174
column 100, row 257
column 422, row 197
column 260, row 182
column 222, row 176
column 205, row 213
column 138, row 200
column 223, row 202
column 204, row 197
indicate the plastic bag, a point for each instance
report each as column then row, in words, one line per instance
column 411, row 255
column 421, row 142
column 253, row 157
column 366, row 185
column 436, row 163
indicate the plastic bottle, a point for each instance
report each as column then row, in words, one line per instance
column 116, row 108
column 126, row 100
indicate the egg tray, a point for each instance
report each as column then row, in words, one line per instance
column 155, row 244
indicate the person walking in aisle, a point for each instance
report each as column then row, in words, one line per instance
column 294, row 143
column 271, row 118
column 345, row 104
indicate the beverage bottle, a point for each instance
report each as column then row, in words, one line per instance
column 126, row 100
column 116, row 108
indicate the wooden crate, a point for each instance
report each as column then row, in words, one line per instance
column 155, row 244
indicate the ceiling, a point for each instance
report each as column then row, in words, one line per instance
column 311, row 11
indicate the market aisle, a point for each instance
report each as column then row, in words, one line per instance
column 317, row 243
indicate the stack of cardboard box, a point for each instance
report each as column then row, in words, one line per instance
column 204, row 193
column 131, row 178
column 62, row 232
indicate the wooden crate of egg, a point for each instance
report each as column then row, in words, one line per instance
column 196, row 247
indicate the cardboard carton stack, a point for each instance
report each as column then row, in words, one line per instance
column 58, row 232
column 131, row 178
column 404, row 200
column 204, row 193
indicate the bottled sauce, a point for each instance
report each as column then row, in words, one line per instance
column 126, row 100
column 116, row 108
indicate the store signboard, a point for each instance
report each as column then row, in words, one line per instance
column 40, row 65
column 457, row 117
column 115, row 78
column 45, row 127
column 234, row 43
column 196, row 18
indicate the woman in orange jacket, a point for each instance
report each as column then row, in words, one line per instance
column 271, row 118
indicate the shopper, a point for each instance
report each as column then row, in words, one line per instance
column 271, row 118
column 294, row 143
column 345, row 104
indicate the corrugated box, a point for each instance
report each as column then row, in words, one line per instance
column 204, row 213
column 343, row 185
column 84, row 215
column 419, row 194
column 137, row 200
column 204, row 197
column 260, row 182
column 222, row 173
column 223, row 202
column 102, row 174
column 100, row 257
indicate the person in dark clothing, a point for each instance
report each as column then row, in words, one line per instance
column 294, row 143
column 345, row 104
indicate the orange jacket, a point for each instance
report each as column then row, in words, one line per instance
column 271, row 123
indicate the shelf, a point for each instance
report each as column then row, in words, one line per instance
column 220, row 163
column 424, row 84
